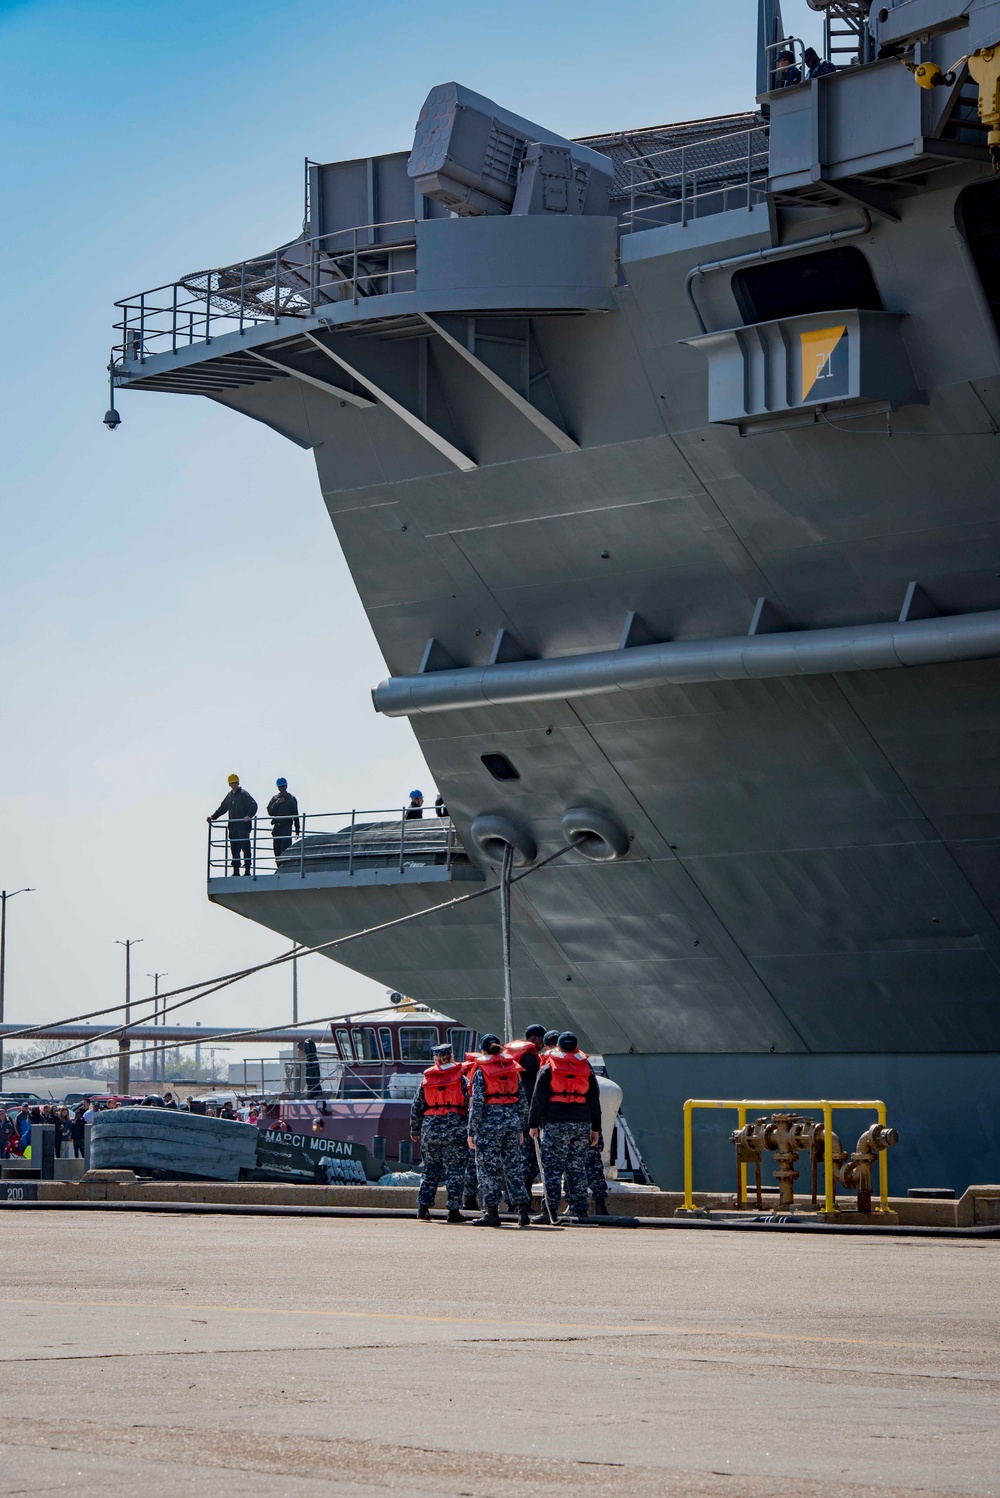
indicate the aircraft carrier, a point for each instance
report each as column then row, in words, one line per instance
column 666, row 466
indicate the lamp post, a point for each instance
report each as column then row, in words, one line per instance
column 124, row 1042
column 159, row 1062
column 6, row 895
column 295, row 985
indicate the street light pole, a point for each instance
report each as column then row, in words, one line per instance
column 124, row 1042
column 159, row 1062
column 295, row 985
column 133, row 941
column 6, row 895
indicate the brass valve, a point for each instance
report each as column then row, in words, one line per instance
column 787, row 1135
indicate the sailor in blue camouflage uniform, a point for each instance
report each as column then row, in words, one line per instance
column 438, row 1120
column 566, row 1113
column 498, row 1112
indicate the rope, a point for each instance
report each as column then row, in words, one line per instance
column 210, row 986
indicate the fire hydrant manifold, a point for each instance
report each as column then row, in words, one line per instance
column 787, row 1136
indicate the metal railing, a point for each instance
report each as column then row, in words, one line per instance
column 333, row 842
column 730, row 168
column 773, row 51
column 295, row 280
column 370, row 1081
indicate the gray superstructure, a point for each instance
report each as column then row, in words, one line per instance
column 665, row 464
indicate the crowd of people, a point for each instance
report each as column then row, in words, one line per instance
column 485, row 1124
column 69, row 1125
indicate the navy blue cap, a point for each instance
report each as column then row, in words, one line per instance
column 567, row 1041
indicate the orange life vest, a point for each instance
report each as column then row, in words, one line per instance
column 571, row 1076
column 472, row 1060
column 443, row 1091
column 519, row 1048
column 501, row 1074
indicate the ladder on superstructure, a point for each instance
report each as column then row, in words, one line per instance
column 846, row 38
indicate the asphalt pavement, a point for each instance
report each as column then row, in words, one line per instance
column 356, row 1356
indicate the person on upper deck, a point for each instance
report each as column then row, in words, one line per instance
column 786, row 73
column 415, row 810
column 817, row 66
column 283, row 809
column 241, row 809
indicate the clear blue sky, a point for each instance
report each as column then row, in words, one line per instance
column 174, row 601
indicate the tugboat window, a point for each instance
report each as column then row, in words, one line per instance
column 461, row 1042
column 823, row 282
column 979, row 222
column 417, row 1044
column 499, row 767
column 365, row 1046
column 344, row 1043
column 385, row 1036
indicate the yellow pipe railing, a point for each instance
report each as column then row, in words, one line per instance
column 741, row 1105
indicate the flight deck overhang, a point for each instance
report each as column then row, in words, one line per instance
column 207, row 333
column 910, row 641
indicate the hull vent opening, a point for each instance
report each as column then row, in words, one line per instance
column 823, row 282
column 499, row 767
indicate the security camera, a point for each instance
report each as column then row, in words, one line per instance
column 112, row 420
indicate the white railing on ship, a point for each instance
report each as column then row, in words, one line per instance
column 676, row 178
column 385, row 838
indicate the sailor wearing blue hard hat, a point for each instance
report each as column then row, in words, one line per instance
column 415, row 810
column 283, row 809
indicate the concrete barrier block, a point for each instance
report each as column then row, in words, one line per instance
column 974, row 1206
column 69, row 1169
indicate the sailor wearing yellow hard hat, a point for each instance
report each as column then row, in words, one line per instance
column 241, row 808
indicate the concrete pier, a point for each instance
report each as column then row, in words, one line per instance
column 361, row 1356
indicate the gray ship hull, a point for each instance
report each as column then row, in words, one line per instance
column 533, row 444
